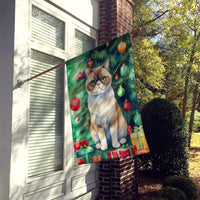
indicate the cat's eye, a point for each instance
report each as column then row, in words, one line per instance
column 92, row 82
column 103, row 78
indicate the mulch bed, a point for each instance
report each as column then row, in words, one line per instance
column 148, row 187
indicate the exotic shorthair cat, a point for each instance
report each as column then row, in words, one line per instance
column 108, row 126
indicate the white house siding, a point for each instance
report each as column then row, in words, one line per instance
column 86, row 10
column 6, row 87
column 73, row 182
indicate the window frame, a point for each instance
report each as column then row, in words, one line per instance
column 67, row 53
column 51, row 51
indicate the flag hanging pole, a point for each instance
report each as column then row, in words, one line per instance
column 133, row 34
column 20, row 83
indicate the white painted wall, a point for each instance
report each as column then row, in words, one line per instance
column 85, row 10
column 6, row 88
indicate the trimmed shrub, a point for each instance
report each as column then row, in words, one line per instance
column 167, row 138
column 183, row 183
column 171, row 193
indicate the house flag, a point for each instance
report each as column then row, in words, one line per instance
column 104, row 109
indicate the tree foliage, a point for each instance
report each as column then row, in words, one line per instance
column 148, row 64
column 171, row 28
column 182, row 41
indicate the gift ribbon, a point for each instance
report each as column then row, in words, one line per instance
column 140, row 141
column 137, row 131
column 115, row 151
column 85, row 149
column 86, row 156
column 128, row 147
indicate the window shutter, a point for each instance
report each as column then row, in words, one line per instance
column 83, row 43
column 45, row 138
column 47, row 29
column 45, row 141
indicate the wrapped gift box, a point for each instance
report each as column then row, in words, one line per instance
column 122, row 152
column 141, row 151
column 139, row 140
column 134, row 149
column 80, row 161
column 86, row 153
column 96, row 158
column 84, row 142
column 80, row 143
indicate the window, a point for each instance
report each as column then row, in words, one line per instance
column 47, row 29
column 83, row 42
column 45, row 139
column 46, row 104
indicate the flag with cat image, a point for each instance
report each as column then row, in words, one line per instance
column 104, row 109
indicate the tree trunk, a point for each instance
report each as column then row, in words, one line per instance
column 194, row 103
column 188, row 75
column 185, row 91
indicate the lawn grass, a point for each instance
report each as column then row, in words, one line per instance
column 194, row 159
column 194, row 162
column 195, row 142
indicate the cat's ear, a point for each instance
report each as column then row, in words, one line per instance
column 106, row 64
column 87, row 71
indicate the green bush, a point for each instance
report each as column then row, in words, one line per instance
column 183, row 183
column 171, row 193
column 167, row 138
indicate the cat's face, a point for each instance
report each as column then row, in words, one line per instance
column 99, row 79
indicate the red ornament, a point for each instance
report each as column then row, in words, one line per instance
column 90, row 63
column 116, row 77
column 107, row 43
column 129, row 130
column 75, row 104
column 87, row 123
column 80, row 75
column 127, row 105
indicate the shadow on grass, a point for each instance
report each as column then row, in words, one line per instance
column 195, row 149
column 194, row 165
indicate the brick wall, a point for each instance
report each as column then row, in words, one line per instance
column 115, row 19
column 117, row 177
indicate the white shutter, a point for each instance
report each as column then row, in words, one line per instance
column 83, row 43
column 46, row 28
column 45, row 140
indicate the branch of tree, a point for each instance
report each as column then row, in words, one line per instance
column 150, row 21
